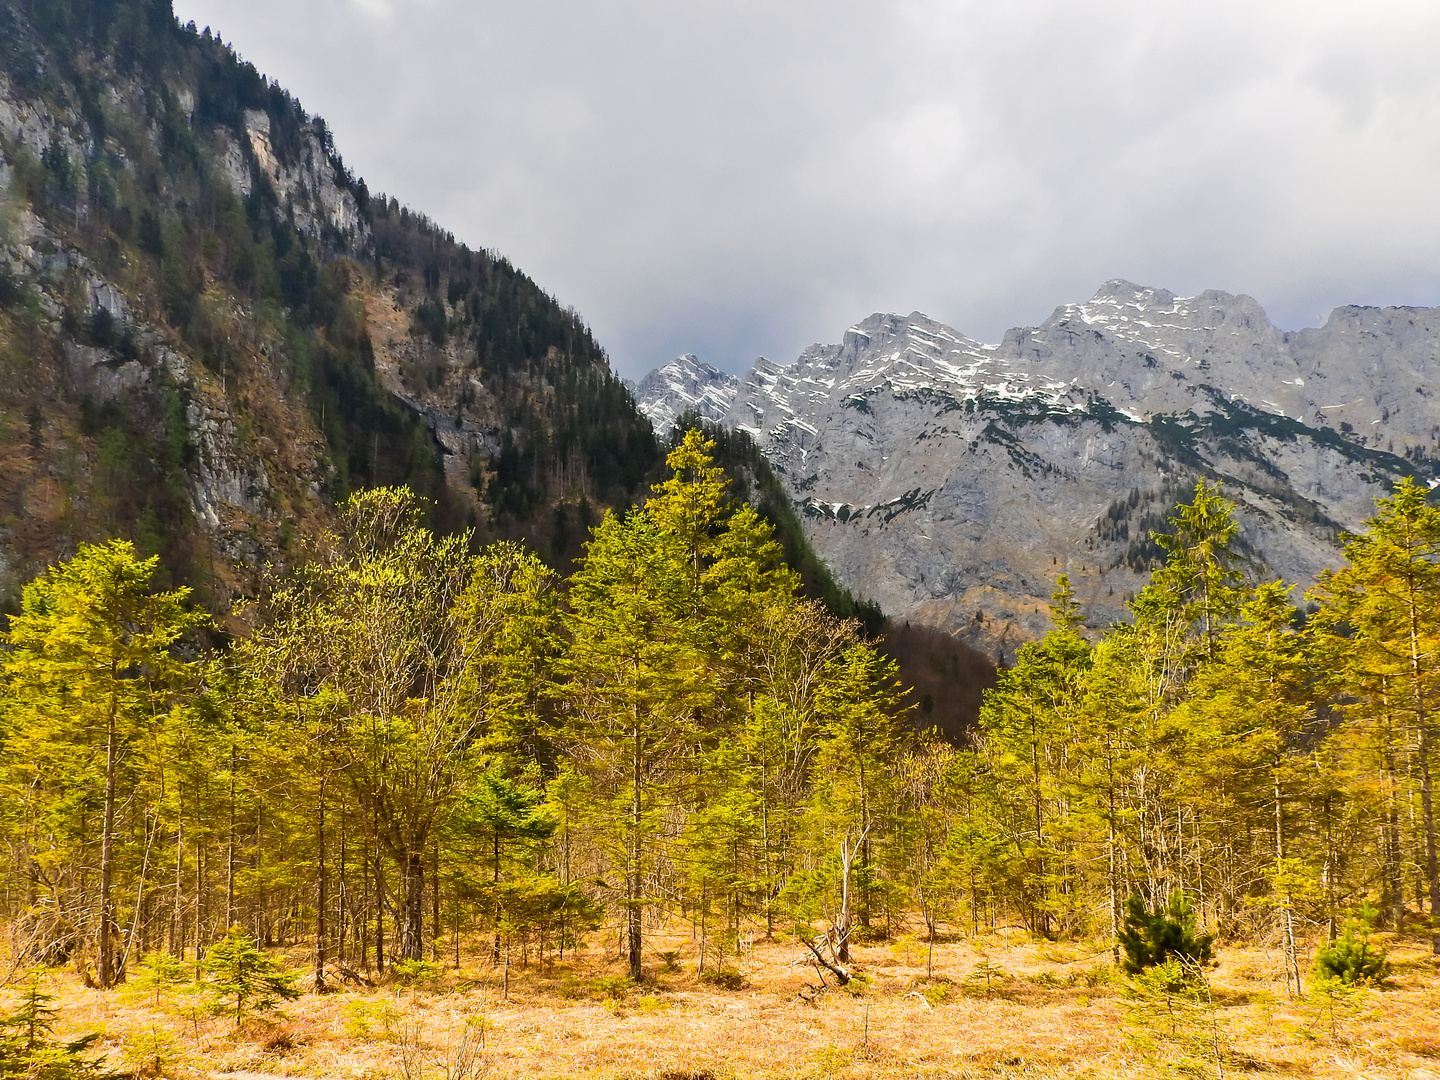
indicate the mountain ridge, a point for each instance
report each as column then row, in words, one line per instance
column 951, row 480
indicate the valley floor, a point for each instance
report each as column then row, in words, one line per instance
column 997, row 1006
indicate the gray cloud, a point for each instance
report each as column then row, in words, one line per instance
column 732, row 177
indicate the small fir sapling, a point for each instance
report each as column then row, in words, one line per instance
column 1151, row 938
column 243, row 979
column 28, row 1046
column 1352, row 959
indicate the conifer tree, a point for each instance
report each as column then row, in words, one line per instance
column 89, row 665
column 633, row 682
column 1200, row 571
column 243, row 980
column 1387, row 602
column 858, row 706
column 1027, row 723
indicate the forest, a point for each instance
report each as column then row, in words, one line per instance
column 402, row 754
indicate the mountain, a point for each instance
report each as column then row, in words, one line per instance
column 685, row 385
column 211, row 331
column 952, row 481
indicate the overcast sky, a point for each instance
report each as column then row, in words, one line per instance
column 743, row 177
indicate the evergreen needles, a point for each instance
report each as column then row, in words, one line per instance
column 243, row 980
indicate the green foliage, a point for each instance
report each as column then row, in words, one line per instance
column 753, row 480
column 28, row 1046
column 89, row 666
column 986, row 975
column 724, row 978
column 364, row 1015
column 674, row 731
column 1352, row 958
column 160, row 972
column 417, row 972
column 613, row 987
column 243, row 980
column 1163, row 936
column 1172, row 1013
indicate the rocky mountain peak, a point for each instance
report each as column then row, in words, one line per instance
column 685, row 383
column 951, row 480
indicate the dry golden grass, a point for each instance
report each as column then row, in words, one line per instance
column 1047, row 1011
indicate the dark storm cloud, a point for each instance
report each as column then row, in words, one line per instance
column 737, row 177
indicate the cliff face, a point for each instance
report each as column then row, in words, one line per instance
column 210, row 331
column 952, row 481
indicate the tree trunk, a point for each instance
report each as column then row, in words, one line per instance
column 107, row 843
column 435, row 902
column 1292, row 963
column 177, row 924
column 342, row 897
column 230, row 851
column 633, row 878
column 379, row 913
column 199, row 891
column 844, row 924
column 1393, row 887
column 1427, row 806
column 1427, row 809
column 412, row 915
column 495, row 891
column 322, row 893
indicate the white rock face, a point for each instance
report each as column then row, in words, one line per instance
column 953, row 481
column 684, row 383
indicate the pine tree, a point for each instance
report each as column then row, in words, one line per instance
column 1200, row 569
column 1150, row 938
column 1027, row 723
column 858, row 705
column 28, row 1047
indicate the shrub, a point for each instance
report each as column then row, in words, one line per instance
column 1151, row 938
column 1098, row 976
column 724, row 978
column 613, row 987
column 1351, row 958
column 936, row 994
column 363, row 1014
column 417, row 972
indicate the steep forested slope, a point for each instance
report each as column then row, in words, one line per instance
column 210, row 330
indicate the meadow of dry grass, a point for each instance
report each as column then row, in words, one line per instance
column 995, row 1007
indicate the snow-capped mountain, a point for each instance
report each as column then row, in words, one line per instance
column 684, row 383
column 952, row 481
